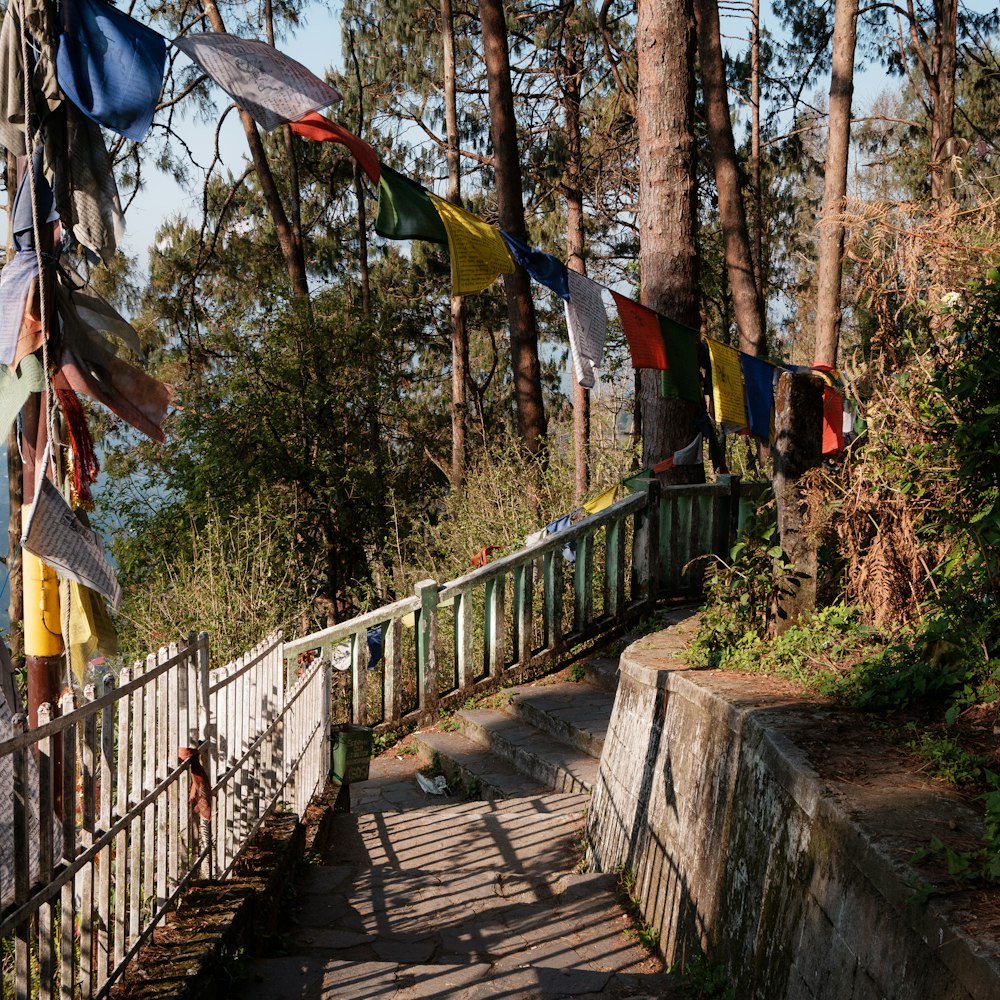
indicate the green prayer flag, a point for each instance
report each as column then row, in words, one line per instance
column 405, row 212
column 15, row 387
column 683, row 380
column 638, row 482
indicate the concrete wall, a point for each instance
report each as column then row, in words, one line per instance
column 797, row 885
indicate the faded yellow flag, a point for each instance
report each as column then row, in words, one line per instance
column 600, row 502
column 478, row 252
column 727, row 385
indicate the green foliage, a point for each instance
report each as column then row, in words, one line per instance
column 944, row 758
column 707, row 980
column 234, row 582
column 741, row 595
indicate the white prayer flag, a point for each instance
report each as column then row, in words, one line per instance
column 587, row 321
column 54, row 534
column 272, row 87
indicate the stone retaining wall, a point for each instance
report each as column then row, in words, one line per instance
column 799, row 886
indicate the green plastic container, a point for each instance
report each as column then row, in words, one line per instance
column 350, row 753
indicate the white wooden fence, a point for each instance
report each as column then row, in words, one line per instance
column 98, row 837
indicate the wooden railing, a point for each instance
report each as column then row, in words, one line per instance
column 449, row 640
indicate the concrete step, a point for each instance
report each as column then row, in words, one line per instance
column 573, row 712
column 555, row 764
column 602, row 672
column 472, row 770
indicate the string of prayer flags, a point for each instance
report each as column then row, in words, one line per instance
column 405, row 210
column 587, row 324
column 271, row 87
column 478, row 253
column 690, row 454
column 641, row 327
column 758, row 383
column 727, row 385
column 110, row 66
column 543, row 267
column 320, row 129
column 602, row 501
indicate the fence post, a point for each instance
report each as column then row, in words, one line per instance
column 648, row 544
column 212, row 750
column 427, row 681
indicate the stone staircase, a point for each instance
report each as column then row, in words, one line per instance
column 539, row 737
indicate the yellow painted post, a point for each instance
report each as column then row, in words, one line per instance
column 43, row 644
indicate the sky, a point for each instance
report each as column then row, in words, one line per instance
column 316, row 45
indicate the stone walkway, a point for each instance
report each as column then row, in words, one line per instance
column 420, row 897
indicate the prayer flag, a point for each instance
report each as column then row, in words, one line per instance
column 727, row 385
column 642, row 331
column 54, row 534
column 273, row 88
column 320, row 129
column 602, row 501
column 90, row 367
column 16, row 386
column 587, row 322
column 22, row 221
column 833, row 421
column 110, row 66
column 405, row 210
column 543, row 267
column 16, row 279
column 478, row 253
column 682, row 380
column 638, row 482
column 758, row 381
column 690, row 454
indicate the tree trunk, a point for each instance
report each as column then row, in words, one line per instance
column 748, row 306
column 359, row 192
column 665, row 45
column 459, row 337
column 292, row 250
column 756, row 183
column 831, row 231
column 943, row 119
column 572, row 68
column 526, row 370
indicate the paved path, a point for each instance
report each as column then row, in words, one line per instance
column 420, row 897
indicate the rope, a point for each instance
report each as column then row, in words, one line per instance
column 29, row 142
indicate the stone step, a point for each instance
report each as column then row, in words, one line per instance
column 573, row 712
column 472, row 770
column 602, row 672
column 555, row 764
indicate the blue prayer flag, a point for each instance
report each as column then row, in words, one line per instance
column 758, row 382
column 110, row 66
column 543, row 267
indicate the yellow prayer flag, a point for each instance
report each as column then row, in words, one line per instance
column 86, row 626
column 478, row 252
column 604, row 500
column 727, row 385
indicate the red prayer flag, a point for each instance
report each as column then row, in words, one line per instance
column 643, row 333
column 321, row 129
